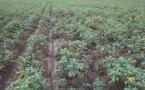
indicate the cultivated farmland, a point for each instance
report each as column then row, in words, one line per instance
column 72, row 45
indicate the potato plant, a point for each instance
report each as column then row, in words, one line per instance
column 29, row 79
column 123, row 70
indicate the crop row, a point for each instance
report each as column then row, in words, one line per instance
column 30, row 75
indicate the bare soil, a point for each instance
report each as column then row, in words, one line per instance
column 51, row 61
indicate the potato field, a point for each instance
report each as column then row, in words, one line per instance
column 72, row 44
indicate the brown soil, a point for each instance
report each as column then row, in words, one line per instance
column 7, row 73
column 51, row 61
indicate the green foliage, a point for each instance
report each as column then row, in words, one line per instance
column 11, row 34
column 98, row 84
column 110, row 29
column 70, row 63
column 27, row 60
column 6, row 55
column 38, row 40
column 72, row 89
column 123, row 70
column 29, row 79
column 131, row 88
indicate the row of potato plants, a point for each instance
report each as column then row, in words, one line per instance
column 31, row 73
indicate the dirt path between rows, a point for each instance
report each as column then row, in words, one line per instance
column 51, row 62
